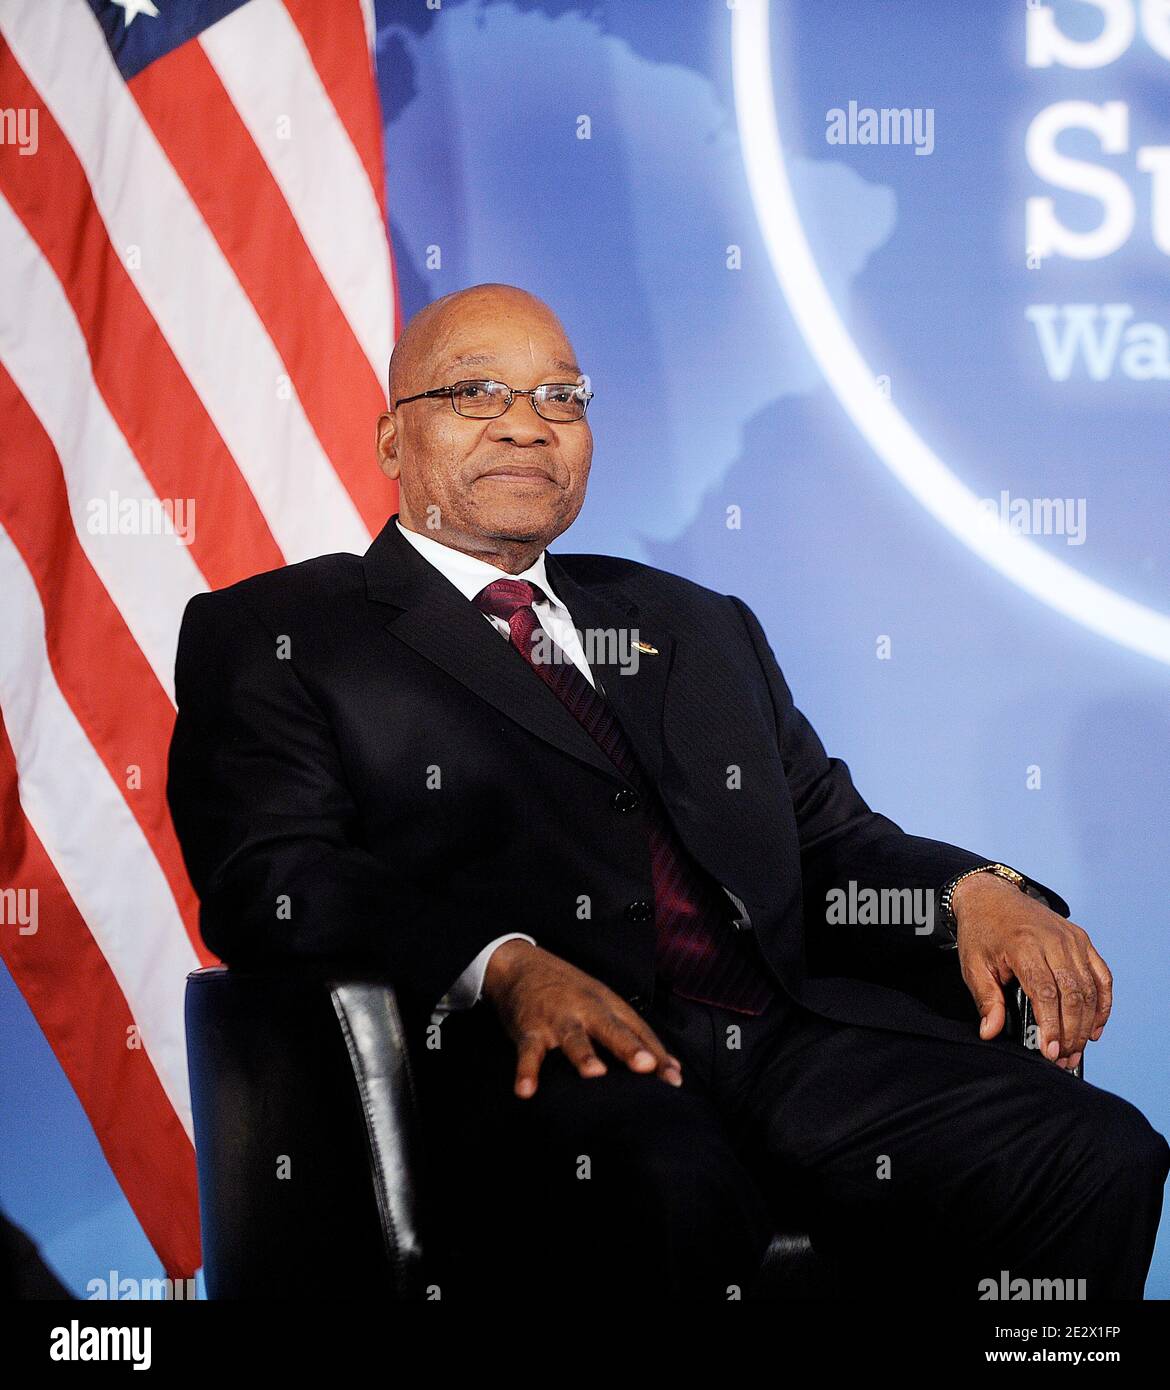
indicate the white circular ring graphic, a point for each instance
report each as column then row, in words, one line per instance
column 907, row 456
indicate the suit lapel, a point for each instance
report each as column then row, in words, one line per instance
column 433, row 618
column 633, row 681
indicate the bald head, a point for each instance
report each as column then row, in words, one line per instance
column 503, row 486
column 424, row 341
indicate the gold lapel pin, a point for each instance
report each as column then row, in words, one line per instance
column 647, row 648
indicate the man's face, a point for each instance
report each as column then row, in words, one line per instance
column 514, row 480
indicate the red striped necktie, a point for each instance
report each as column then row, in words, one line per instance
column 699, row 954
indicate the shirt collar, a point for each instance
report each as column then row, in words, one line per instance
column 470, row 574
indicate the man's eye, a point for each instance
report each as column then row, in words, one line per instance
column 469, row 391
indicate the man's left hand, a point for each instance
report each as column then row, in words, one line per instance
column 1004, row 933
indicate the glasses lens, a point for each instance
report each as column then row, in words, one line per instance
column 564, row 402
column 480, row 398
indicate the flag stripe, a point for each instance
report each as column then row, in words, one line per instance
column 342, row 63
column 370, row 23
column 73, row 805
column 334, row 37
column 99, row 668
column 216, row 335
column 88, row 1025
column 296, row 129
column 200, row 303
column 43, row 349
column 189, row 111
column 153, row 404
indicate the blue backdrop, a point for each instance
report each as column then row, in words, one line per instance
column 619, row 161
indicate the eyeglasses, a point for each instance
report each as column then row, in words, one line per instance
column 483, row 400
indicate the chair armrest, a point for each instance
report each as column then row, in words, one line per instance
column 306, row 1134
column 1021, row 1022
column 380, row 1059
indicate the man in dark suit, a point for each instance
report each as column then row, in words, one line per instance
column 665, row 970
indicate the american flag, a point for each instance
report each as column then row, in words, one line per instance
column 199, row 304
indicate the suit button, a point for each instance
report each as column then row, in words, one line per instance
column 625, row 800
column 640, row 911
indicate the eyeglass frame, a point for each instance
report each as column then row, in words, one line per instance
column 448, row 391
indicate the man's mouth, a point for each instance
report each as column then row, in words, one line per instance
column 513, row 474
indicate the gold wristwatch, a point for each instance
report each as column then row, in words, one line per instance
column 946, row 913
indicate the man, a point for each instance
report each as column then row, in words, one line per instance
column 566, row 805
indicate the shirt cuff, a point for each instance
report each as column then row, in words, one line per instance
column 468, row 988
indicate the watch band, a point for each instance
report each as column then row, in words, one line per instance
column 946, row 912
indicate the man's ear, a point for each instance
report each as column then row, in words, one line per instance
column 387, row 445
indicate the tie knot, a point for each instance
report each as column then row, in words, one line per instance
column 503, row 597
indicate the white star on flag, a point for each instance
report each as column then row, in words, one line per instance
column 134, row 8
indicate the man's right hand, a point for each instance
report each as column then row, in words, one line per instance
column 546, row 1003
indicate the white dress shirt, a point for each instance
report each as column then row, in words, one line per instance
column 469, row 575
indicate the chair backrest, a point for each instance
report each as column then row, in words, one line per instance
column 306, row 1136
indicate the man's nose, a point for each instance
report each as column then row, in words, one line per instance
column 519, row 424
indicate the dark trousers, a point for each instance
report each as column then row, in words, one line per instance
column 919, row 1167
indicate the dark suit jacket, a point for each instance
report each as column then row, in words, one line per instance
column 364, row 773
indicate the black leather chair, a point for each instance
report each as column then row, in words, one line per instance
column 308, row 1144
